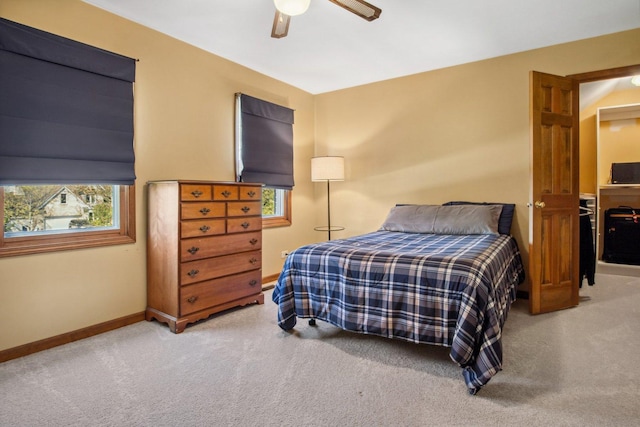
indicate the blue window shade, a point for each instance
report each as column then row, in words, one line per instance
column 66, row 110
column 264, row 142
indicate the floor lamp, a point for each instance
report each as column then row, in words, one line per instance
column 328, row 168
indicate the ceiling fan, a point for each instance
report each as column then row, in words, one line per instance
column 285, row 9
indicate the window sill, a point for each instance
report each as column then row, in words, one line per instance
column 275, row 222
column 17, row 246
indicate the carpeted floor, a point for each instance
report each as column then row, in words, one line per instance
column 577, row 367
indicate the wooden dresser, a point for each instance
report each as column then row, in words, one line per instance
column 203, row 249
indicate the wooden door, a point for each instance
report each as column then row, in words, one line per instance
column 554, row 205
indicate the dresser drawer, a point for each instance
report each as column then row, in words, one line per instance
column 207, row 294
column 201, row 210
column 202, row 227
column 239, row 225
column 244, row 208
column 193, row 249
column 251, row 193
column 225, row 192
column 195, row 192
column 211, row 268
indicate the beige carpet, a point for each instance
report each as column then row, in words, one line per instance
column 578, row 367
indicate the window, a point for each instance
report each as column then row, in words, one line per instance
column 264, row 154
column 33, row 223
column 66, row 117
column 276, row 207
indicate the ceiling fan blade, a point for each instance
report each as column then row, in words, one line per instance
column 359, row 7
column 280, row 25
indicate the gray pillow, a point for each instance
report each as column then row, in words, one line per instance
column 436, row 219
column 506, row 217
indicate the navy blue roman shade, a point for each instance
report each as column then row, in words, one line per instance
column 264, row 142
column 66, row 110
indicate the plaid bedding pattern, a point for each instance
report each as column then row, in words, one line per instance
column 449, row 290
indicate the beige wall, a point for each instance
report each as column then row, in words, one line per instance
column 460, row 133
column 588, row 137
column 184, row 129
column 619, row 143
column 457, row 133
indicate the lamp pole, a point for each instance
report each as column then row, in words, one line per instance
column 329, row 209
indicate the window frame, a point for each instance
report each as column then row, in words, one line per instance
column 285, row 219
column 26, row 245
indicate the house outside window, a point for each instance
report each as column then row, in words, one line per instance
column 37, row 219
column 35, row 210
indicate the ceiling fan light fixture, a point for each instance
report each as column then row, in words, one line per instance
column 635, row 80
column 292, row 7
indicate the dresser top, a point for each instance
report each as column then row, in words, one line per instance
column 187, row 181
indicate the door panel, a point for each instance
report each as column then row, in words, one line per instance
column 554, row 219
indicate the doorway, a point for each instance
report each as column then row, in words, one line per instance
column 600, row 93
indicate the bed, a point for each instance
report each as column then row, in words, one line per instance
column 441, row 275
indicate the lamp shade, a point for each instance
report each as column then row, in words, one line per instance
column 328, row 168
column 292, row 7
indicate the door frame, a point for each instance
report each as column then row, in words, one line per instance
column 611, row 73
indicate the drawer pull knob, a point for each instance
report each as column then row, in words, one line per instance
column 245, row 209
column 205, row 211
column 193, row 250
column 252, row 194
column 253, row 241
column 225, row 193
column 192, row 299
column 205, row 228
column 193, row 273
column 253, row 261
column 253, row 282
column 245, row 225
column 196, row 193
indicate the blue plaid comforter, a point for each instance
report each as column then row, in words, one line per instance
column 449, row 290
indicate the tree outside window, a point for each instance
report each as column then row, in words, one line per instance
column 276, row 207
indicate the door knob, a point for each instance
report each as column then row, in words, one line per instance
column 538, row 204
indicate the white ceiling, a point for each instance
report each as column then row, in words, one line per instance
column 329, row 48
column 591, row 92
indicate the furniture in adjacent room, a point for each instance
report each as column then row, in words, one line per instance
column 616, row 143
column 203, row 249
